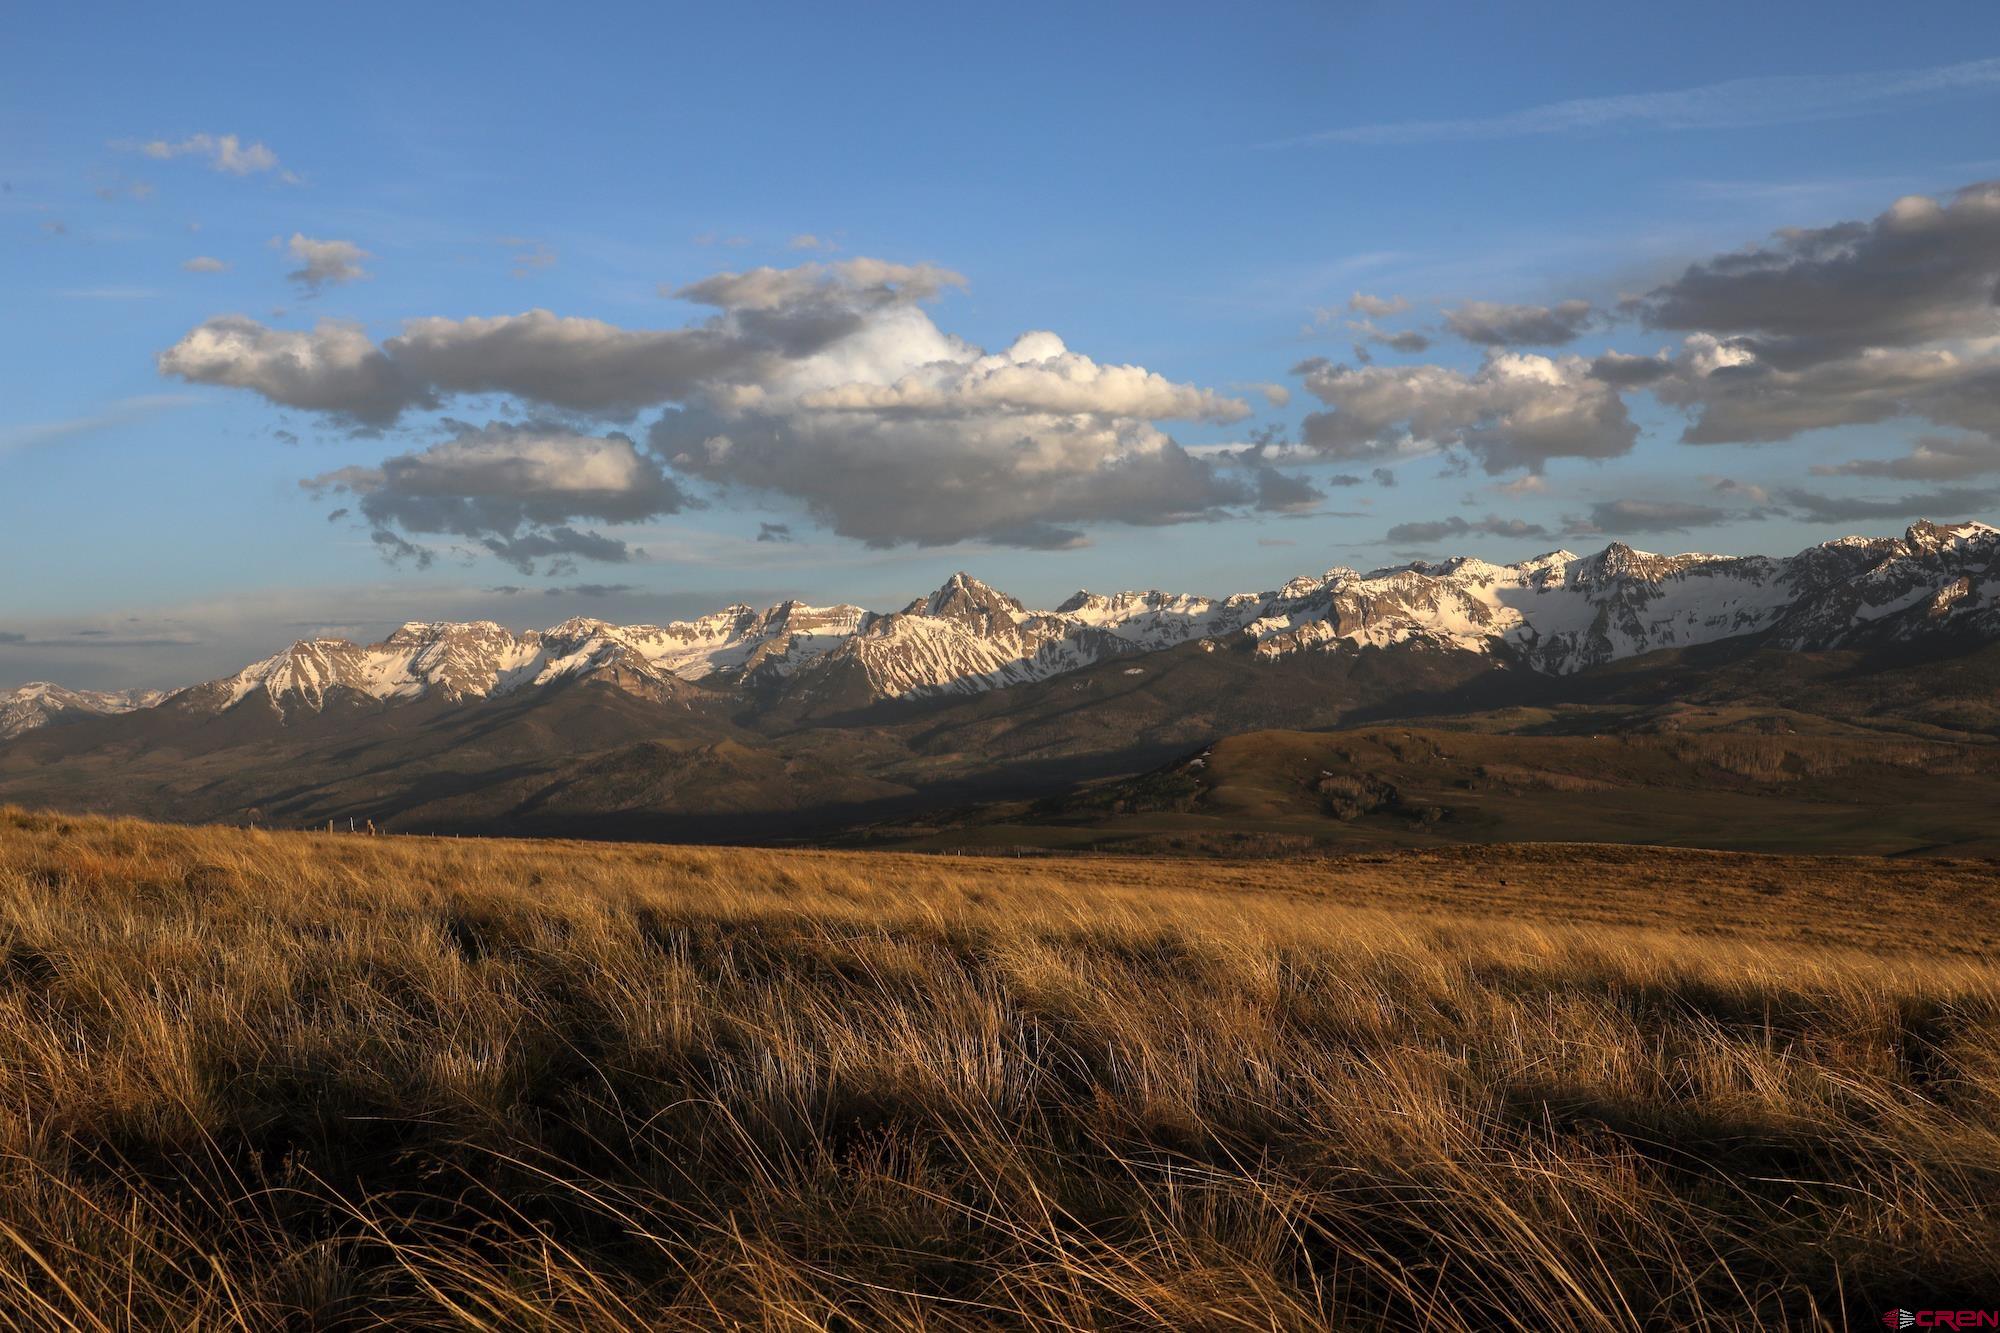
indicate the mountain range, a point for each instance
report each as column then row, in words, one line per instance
column 39, row 703
column 1558, row 614
column 744, row 721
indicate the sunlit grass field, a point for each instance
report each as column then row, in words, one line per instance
column 256, row 1080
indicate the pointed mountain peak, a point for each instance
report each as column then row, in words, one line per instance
column 967, row 601
column 964, row 582
column 961, row 589
column 580, row 627
column 1925, row 535
column 317, row 646
column 774, row 619
column 412, row 633
column 1619, row 559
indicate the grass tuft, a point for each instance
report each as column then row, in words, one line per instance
column 254, row 1080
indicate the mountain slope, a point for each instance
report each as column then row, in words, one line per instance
column 1756, row 781
column 1558, row 614
column 752, row 725
column 39, row 703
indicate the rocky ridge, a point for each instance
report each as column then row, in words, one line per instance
column 39, row 703
column 1557, row 613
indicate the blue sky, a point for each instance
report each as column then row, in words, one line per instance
column 1196, row 191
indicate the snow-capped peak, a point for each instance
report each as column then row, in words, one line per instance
column 39, row 702
column 1558, row 612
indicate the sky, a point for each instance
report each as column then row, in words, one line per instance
column 321, row 325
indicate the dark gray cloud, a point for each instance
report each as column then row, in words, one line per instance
column 1418, row 534
column 1734, row 398
column 1856, row 323
column 562, row 546
column 334, row 369
column 1851, row 324
column 1018, row 479
column 568, row 590
column 1494, row 325
column 1931, row 458
column 1376, row 307
column 324, row 263
column 850, row 283
column 1944, row 504
column 398, row 551
column 1285, row 492
column 1407, row 341
column 1517, row 411
column 1618, row 517
column 1630, row 372
column 1359, row 318
column 774, row 532
column 583, row 365
column 1919, row 273
column 514, row 489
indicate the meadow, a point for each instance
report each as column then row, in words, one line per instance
column 263, row 1080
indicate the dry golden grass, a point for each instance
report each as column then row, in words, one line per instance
column 253, row 1080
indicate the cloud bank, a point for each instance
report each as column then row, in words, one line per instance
column 1517, row 411
column 515, row 490
column 828, row 383
column 1891, row 319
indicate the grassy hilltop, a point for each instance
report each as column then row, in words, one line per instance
column 252, row 1080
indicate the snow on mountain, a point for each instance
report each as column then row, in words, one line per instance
column 1563, row 613
column 453, row 662
column 39, row 703
column 1558, row 613
column 965, row 638
column 738, row 639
